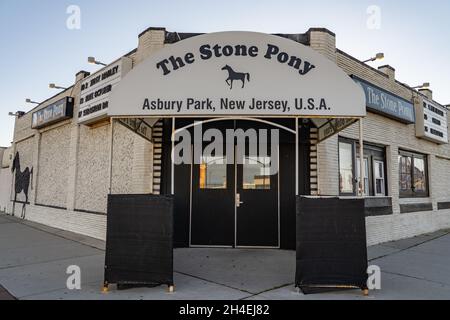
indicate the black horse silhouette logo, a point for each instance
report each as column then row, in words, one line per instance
column 22, row 182
column 232, row 75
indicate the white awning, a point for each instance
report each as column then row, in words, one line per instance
column 237, row 74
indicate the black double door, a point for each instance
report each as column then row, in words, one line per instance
column 235, row 192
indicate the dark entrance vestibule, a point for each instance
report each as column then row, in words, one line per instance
column 245, row 202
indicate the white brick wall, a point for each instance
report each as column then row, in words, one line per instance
column 328, row 170
column 54, row 150
column 88, row 224
column 5, row 187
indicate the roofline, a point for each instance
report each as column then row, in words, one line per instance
column 48, row 99
column 406, row 86
column 289, row 36
column 362, row 63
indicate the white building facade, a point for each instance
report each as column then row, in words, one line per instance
column 78, row 155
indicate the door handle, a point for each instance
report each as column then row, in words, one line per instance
column 238, row 200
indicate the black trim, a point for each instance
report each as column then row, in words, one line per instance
column 166, row 163
column 303, row 38
column 379, row 211
column 416, row 207
column 375, row 207
column 443, row 205
column 304, row 159
column 86, row 74
column 174, row 37
column 325, row 30
column 49, row 206
column 386, row 66
column 21, row 202
column 90, row 212
column 150, row 29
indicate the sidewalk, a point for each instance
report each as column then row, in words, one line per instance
column 34, row 259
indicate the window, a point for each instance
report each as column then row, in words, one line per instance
column 366, row 174
column 346, row 181
column 256, row 173
column 213, row 173
column 379, row 180
column 349, row 169
column 413, row 180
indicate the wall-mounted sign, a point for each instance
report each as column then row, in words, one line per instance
column 431, row 121
column 56, row 112
column 96, row 88
column 332, row 127
column 387, row 104
column 138, row 126
column 237, row 73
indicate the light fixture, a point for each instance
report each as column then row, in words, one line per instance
column 31, row 101
column 378, row 56
column 54, row 86
column 92, row 60
column 425, row 85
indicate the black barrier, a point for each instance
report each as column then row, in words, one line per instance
column 331, row 244
column 139, row 240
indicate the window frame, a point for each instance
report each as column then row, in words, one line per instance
column 372, row 153
column 412, row 193
column 351, row 142
column 375, row 178
column 366, row 176
column 205, row 185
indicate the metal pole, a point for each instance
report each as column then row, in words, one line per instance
column 172, row 180
column 361, row 159
column 296, row 157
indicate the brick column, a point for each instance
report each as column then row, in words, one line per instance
column 74, row 141
column 393, row 177
column 150, row 41
column 323, row 41
column 142, row 166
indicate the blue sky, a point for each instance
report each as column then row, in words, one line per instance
column 37, row 48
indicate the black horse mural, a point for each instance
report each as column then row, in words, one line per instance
column 232, row 75
column 22, row 183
